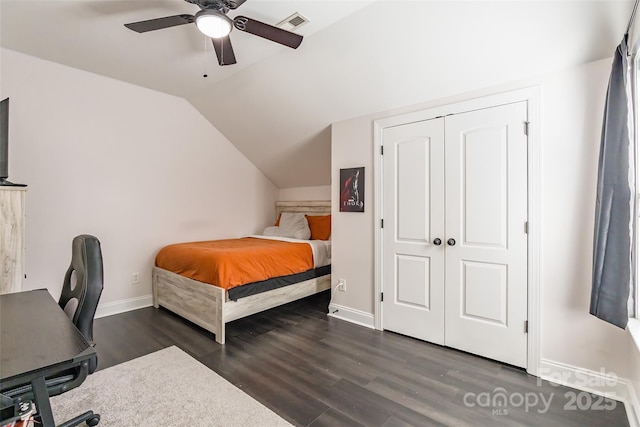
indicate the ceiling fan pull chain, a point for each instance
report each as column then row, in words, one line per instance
column 206, row 39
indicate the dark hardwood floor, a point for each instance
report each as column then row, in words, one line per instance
column 316, row 371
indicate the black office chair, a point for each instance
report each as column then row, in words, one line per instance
column 82, row 287
column 81, row 290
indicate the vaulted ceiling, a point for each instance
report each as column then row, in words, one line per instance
column 277, row 104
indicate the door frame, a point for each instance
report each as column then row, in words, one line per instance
column 531, row 95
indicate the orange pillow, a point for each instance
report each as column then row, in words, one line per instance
column 277, row 224
column 320, row 226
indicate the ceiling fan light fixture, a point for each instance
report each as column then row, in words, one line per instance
column 213, row 23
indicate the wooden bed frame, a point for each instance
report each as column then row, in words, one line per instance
column 209, row 306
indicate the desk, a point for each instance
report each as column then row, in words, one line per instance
column 38, row 340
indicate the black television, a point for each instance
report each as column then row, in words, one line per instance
column 4, row 145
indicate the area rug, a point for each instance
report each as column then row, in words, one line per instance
column 165, row 388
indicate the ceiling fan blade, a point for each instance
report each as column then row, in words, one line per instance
column 234, row 4
column 267, row 31
column 160, row 23
column 224, row 50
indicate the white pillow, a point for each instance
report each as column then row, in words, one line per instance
column 294, row 225
column 272, row 231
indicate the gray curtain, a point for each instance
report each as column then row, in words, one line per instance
column 612, row 242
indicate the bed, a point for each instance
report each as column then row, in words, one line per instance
column 211, row 308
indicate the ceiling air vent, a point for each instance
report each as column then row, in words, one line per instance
column 293, row 22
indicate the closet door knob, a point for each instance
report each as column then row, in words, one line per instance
column 451, row 242
column 437, row 242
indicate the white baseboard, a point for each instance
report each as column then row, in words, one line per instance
column 117, row 307
column 634, row 394
column 351, row 315
column 633, row 407
column 600, row 383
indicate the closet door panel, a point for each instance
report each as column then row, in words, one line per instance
column 413, row 266
column 486, row 211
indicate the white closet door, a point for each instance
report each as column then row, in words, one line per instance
column 486, row 212
column 413, row 266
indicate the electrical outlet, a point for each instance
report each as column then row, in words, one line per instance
column 342, row 285
column 135, row 278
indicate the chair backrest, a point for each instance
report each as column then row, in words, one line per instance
column 83, row 284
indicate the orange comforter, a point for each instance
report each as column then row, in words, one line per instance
column 234, row 262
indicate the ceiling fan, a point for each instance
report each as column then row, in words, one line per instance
column 212, row 21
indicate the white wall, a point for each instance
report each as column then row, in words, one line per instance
column 322, row 192
column 137, row 168
column 571, row 116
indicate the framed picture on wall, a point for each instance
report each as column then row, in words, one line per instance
column 352, row 190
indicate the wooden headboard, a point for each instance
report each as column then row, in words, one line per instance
column 309, row 207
